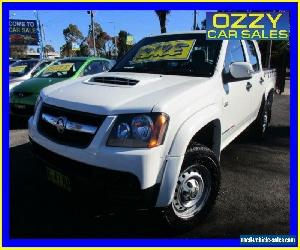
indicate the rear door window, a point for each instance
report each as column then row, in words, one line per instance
column 252, row 55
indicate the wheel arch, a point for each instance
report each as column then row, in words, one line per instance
column 269, row 92
column 207, row 118
column 194, row 128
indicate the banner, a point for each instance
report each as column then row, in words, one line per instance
column 129, row 40
column 247, row 25
column 75, row 47
column 23, row 32
column 17, row 69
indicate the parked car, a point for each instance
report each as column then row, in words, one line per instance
column 24, row 69
column 11, row 60
column 150, row 132
column 23, row 97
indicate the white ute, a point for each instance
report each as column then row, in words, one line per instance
column 150, row 131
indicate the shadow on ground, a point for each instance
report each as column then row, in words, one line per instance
column 17, row 123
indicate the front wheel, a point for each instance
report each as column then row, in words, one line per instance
column 196, row 190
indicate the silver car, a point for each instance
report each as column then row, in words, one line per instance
column 25, row 69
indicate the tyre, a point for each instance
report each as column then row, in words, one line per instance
column 197, row 188
column 269, row 105
column 260, row 126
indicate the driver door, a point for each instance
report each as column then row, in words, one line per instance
column 236, row 95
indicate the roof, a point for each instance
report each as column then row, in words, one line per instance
column 180, row 33
column 80, row 58
column 34, row 53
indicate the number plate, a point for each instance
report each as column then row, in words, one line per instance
column 59, row 179
column 17, row 106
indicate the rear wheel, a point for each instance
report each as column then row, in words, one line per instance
column 269, row 105
column 260, row 126
column 196, row 190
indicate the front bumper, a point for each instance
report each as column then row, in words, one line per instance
column 106, row 188
column 22, row 106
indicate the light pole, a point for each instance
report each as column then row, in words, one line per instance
column 40, row 33
column 90, row 12
column 195, row 20
column 44, row 39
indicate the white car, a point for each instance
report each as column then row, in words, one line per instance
column 22, row 70
column 151, row 130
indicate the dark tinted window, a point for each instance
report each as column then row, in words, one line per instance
column 64, row 68
column 252, row 55
column 94, row 68
column 107, row 65
column 234, row 53
column 181, row 54
column 40, row 67
column 21, row 68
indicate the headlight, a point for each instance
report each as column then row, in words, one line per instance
column 38, row 100
column 139, row 130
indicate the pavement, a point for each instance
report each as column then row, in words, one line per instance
column 253, row 199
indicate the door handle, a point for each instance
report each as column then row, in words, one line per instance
column 261, row 80
column 248, row 86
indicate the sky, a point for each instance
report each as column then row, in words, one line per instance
column 139, row 23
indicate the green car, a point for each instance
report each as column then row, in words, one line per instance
column 23, row 96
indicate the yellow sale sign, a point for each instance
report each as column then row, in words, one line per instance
column 64, row 67
column 170, row 50
column 17, row 69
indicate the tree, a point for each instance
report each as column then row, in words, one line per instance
column 66, row 50
column 279, row 49
column 110, row 48
column 122, row 43
column 101, row 38
column 17, row 51
column 84, row 49
column 203, row 24
column 162, row 16
column 48, row 48
column 72, row 35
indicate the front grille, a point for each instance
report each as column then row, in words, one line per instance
column 115, row 80
column 71, row 137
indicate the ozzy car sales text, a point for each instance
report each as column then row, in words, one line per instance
column 251, row 26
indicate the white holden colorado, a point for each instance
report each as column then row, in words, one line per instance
column 150, row 131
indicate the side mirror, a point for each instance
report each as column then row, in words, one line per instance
column 241, row 70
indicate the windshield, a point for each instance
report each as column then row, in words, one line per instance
column 65, row 68
column 21, row 68
column 182, row 54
